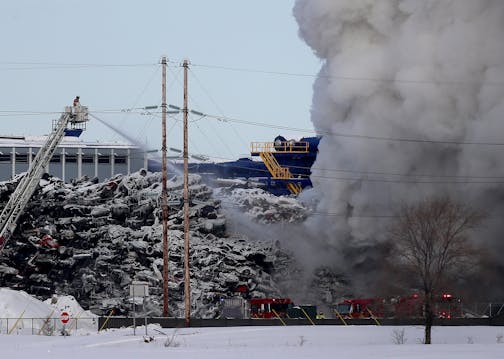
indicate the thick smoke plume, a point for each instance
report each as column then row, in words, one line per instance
column 395, row 70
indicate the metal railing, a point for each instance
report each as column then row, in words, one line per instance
column 483, row 309
column 274, row 167
column 473, row 314
column 46, row 326
column 280, row 147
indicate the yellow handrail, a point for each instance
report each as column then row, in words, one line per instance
column 277, row 171
column 283, row 147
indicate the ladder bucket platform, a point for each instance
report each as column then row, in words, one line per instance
column 78, row 114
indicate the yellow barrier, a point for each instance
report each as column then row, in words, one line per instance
column 340, row 317
column 307, row 316
column 373, row 317
column 106, row 320
column 17, row 321
column 274, row 311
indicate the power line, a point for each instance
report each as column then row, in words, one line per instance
column 327, row 214
column 361, row 172
column 142, row 92
column 353, row 78
column 21, row 66
column 289, row 128
column 207, row 93
column 347, row 135
column 464, row 179
column 345, row 216
column 362, row 179
column 373, row 180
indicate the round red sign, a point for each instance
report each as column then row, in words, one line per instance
column 64, row 317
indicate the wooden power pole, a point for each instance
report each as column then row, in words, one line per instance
column 187, row 274
column 164, row 202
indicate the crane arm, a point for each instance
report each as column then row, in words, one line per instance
column 26, row 187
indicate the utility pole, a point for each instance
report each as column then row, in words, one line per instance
column 187, row 274
column 164, row 204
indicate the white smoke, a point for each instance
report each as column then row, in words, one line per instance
column 402, row 69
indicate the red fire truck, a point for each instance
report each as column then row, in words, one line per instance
column 266, row 307
column 362, row 308
column 444, row 306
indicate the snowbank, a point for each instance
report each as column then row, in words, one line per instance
column 21, row 313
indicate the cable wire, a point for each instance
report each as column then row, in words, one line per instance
column 347, row 135
column 354, row 78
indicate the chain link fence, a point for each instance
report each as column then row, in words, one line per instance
column 483, row 310
column 48, row 326
column 75, row 325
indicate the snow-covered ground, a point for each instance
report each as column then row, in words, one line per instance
column 245, row 342
column 262, row 342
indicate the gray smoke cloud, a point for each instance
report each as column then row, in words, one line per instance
column 403, row 69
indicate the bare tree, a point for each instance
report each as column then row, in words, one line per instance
column 431, row 242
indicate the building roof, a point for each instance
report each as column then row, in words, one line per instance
column 68, row 142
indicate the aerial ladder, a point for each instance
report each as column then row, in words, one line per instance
column 72, row 120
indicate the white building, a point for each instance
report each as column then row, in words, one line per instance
column 72, row 159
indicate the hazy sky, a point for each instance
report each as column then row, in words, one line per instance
column 54, row 50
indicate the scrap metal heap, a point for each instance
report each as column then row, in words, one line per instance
column 91, row 240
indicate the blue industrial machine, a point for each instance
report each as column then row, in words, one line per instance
column 285, row 167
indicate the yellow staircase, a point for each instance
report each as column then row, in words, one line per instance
column 265, row 151
column 274, row 167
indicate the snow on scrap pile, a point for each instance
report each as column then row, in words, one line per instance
column 20, row 313
column 264, row 207
column 92, row 240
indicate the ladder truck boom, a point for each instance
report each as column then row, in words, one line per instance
column 75, row 116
